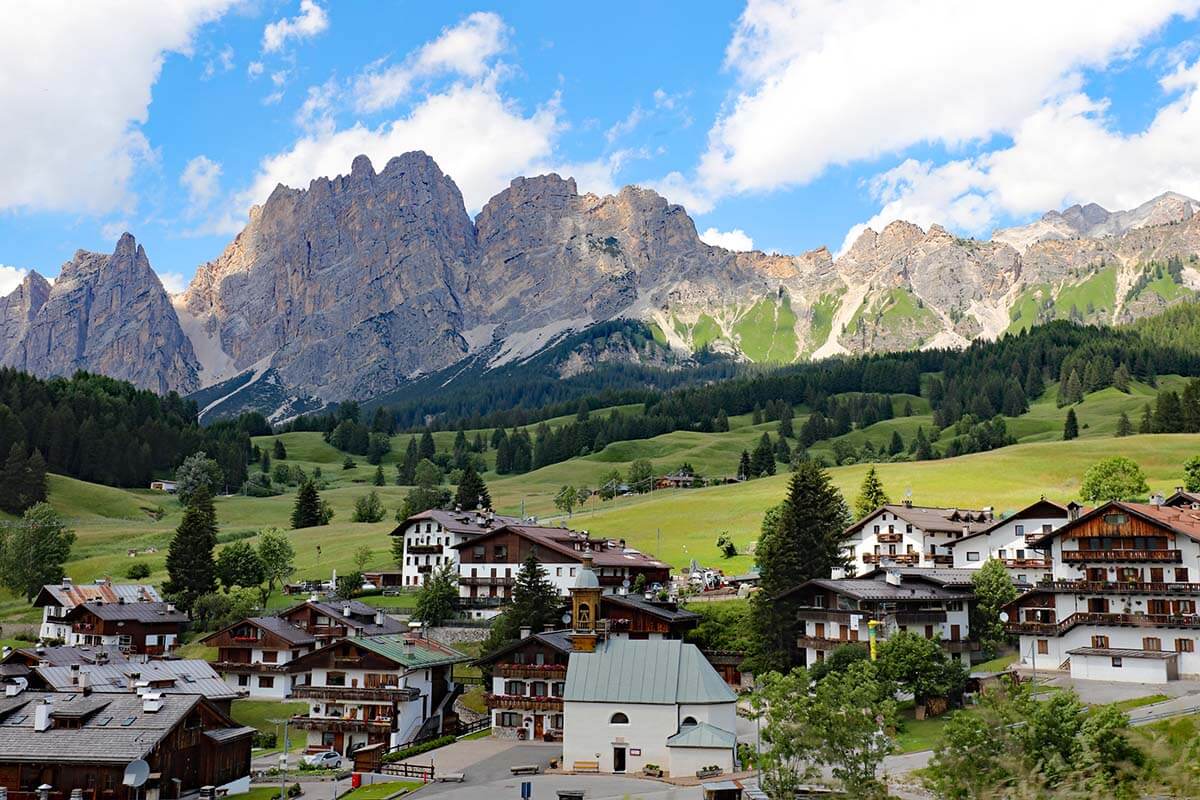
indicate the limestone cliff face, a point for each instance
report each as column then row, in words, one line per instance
column 349, row 286
column 104, row 313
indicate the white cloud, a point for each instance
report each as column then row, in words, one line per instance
column 202, row 179
column 223, row 62
column 71, row 142
column 10, row 279
column 254, row 69
column 311, row 21
column 625, row 126
column 476, row 136
column 317, row 106
column 112, row 231
column 173, row 282
column 736, row 239
column 1065, row 152
column 464, row 50
column 827, row 83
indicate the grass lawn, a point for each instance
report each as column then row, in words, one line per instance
column 259, row 793
column 998, row 664
column 378, row 791
column 259, row 713
column 1138, row 702
column 473, row 698
column 920, row 734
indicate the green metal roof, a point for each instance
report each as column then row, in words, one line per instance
column 702, row 735
column 411, row 652
column 645, row 671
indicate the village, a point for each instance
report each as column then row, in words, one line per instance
column 607, row 695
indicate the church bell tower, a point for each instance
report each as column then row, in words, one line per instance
column 585, row 609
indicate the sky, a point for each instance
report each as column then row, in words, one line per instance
column 781, row 125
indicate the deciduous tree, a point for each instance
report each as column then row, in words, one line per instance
column 33, row 550
column 1114, row 478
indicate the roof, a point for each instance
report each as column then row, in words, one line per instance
column 702, row 735
column 1183, row 498
column 186, row 676
column 556, row 640
column 277, row 626
column 577, row 544
column 1183, row 521
column 413, row 652
column 334, row 608
column 1028, row 512
column 114, row 729
column 915, row 584
column 1119, row 652
column 229, row 734
column 663, row 671
column 668, row 612
column 149, row 613
column 65, row 655
column 465, row 522
column 68, row 595
column 931, row 518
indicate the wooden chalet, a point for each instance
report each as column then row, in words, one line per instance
column 85, row 740
column 258, row 654
column 329, row 620
column 151, row 629
column 637, row 618
column 528, row 680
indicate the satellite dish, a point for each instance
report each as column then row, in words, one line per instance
column 1004, row 616
column 136, row 773
column 625, row 584
column 566, row 618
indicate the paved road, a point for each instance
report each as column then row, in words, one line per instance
column 597, row 787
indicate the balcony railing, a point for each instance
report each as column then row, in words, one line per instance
column 942, row 559
column 245, row 666
column 424, row 549
column 822, row 643
column 891, row 538
column 919, row 617
column 532, row 671
column 870, row 558
column 826, row 615
column 336, row 724
column 482, row 602
column 480, row 580
column 524, row 703
column 903, row 559
column 400, row 694
column 1120, row 587
column 1097, row 618
column 1027, row 563
column 1160, row 556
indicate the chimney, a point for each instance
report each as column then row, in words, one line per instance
column 908, row 503
column 170, row 608
column 16, row 687
column 379, row 616
column 152, row 702
column 837, row 573
column 85, row 685
column 346, row 610
column 892, row 577
column 74, row 674
column 547, row 628
column 66, row 582
column 41, row 716
column 526, row 632
column 1157, row 499
column 1179, row 490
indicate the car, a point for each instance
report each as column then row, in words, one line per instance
column 327, row 759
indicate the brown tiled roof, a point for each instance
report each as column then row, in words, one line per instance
column 458, row 521
column 68, row 595
column 564, row 541
column 931, row 518
column 130, row 612
column 1183, row 521
column 1027, row 512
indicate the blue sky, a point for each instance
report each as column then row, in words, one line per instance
column 785, row 124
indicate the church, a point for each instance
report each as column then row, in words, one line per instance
column 633, row 703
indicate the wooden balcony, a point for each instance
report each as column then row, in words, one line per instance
column 1119, row 587
column 827, row 615
column 424, row 550
column 339, row 724
column 480, row 580
column 890, row 538
column 1028, row 563
column 240, row 667
column 824, row 643
column 870, row 558
column 922, row 617
column 532, row 671
column 384, row 694
column 1118, row 620
column 518, row 703
column 1157, row 556
column 940, row 559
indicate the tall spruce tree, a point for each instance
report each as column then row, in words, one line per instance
column 871, row 495
column 762, row 461
column 1124, row 426
column 744, row 469
column 1146, row 425
column 12, row 479
column 191, row 570
column 307, row 511
column 280, row 452
column 535, row 604
column 803, row 541
column 1071, row 426
column 407, row 468
column 426, row 449
column 472, row 491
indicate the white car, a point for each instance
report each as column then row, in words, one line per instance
column 324, row 760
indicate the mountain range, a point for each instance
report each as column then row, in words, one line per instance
column 362, row 283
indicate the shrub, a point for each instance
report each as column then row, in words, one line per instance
column 137, row 571
column 417, row 749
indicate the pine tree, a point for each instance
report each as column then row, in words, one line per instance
column 280, row 452
column 1071, row 390
column 1146, row 425
column 1124, row 426
column 379, row 479
column 721, row 424
column 426, row 449
column 871, row 495
column 12, row 479
column 1168, row 413
column 783, row 452
column 535, row 604
column 801, row 541
column 762, row 462
column 191, row 570
column 307, row 511
column 472, row 491
column 922, row 449
column 1071, row 426
column 406, row 469
column 743, row 472
column 265, row 463
column 896, row 447
column 35, row 480
column 1034, row 385
column 1121, row 378
column 785, row 424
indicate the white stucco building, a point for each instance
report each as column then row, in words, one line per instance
column 904, row 535
column 1122, row 604
column 637, row 702
column 431, row 536
column 257, row 655
column 1008, row 540
column 57, row 600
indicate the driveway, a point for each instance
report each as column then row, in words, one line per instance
column 596, row 787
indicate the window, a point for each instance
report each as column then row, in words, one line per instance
column 509, row 719
column 1019, row 530
column 515, row 688
column 1181, row 574
column 557, row 689
column 266, row 681
column 1151, row 643
column 243, row 680
column 1116, row 661
column 1043, row 647
column 558, row 572
column 335, row 679
column 687, row 722
column 478, row 553
column 1100, row 641
column 1156, row 574
column 270, row 656
column 1185, row 646
column 1001, row 555
column 500, row 552
column 619, row 718
column 972, row 555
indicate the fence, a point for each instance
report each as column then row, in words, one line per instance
column 421, row 772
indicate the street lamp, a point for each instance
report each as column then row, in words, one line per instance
column 283, row 755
